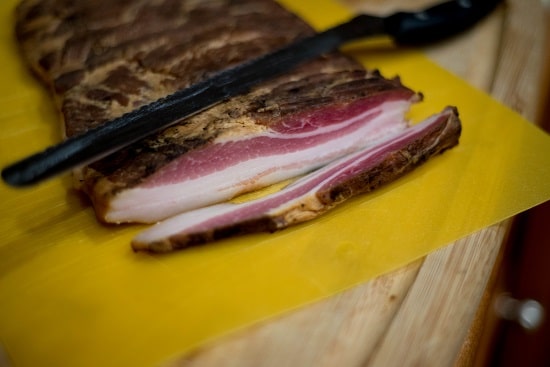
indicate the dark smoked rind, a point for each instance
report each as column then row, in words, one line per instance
column 399, row 162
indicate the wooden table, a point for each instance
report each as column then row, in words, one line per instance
column 423, row 314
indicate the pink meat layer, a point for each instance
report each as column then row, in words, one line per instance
column 299, row 132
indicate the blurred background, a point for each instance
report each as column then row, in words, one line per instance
column 507, row 56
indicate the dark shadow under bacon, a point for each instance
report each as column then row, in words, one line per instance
column 312, row 195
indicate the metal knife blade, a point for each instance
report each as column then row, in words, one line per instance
column 429, row 25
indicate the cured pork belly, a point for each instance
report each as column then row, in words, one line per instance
column 103, row 58
column 312, row 195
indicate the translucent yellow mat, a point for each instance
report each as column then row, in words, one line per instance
column 72, row 293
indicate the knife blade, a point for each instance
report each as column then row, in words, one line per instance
column 405, row 28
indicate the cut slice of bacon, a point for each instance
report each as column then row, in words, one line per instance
column 312, row 195
column 228, row 167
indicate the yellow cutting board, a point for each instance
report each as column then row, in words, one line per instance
column 72, row 293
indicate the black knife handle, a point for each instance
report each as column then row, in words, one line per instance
column 437, row 22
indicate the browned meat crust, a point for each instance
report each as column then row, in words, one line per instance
column 107, row 57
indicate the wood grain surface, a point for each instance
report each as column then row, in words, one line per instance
column 422, row 314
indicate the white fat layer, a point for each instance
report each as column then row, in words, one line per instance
column 152, row 204
column 182, row 222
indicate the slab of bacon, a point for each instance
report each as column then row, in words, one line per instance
column 102, row 59
column 312, row 195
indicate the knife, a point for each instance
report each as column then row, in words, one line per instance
column 405, row 28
